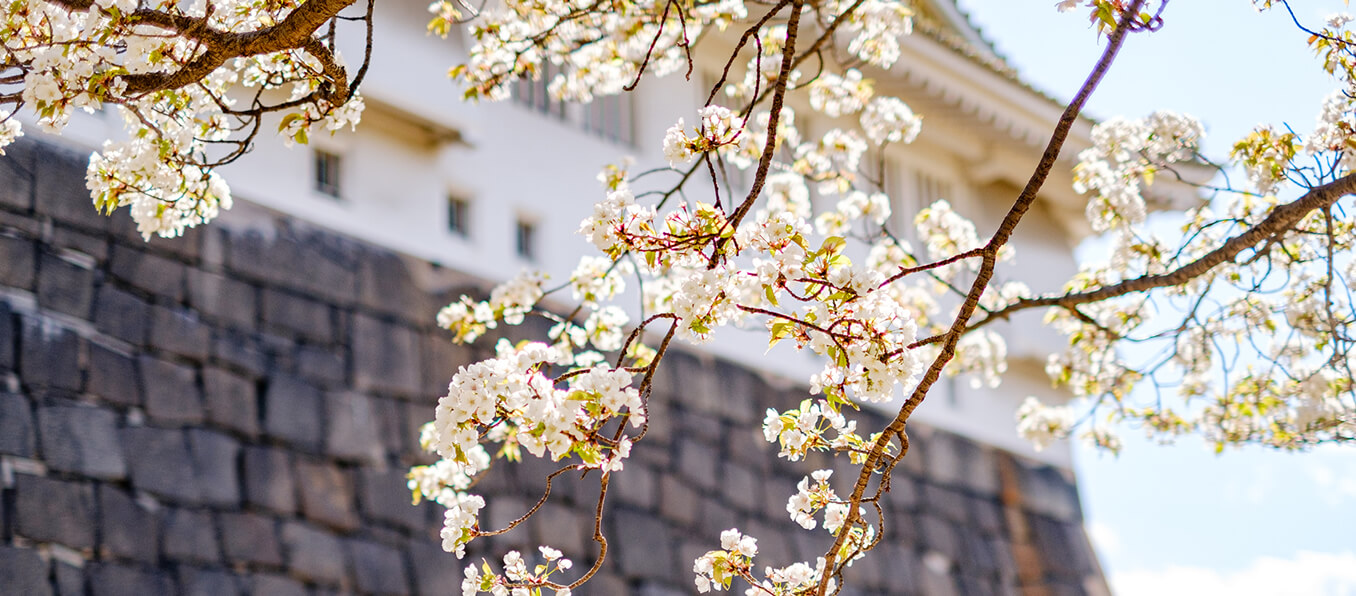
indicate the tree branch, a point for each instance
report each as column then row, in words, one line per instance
column 1280, row 220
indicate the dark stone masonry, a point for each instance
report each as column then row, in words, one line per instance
column 233, row 412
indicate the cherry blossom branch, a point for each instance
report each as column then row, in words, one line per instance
column 990, row 258
column 1281, row 220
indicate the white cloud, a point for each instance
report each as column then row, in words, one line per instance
column 1307, row 574
column 1334, row 486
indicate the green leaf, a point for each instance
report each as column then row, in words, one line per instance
column 288, row 120
column 780, row 330
column 832, row 245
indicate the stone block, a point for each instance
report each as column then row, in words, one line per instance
column 636, row 486
column 70, row 580
column 112, row 579
column 180, row 332
column 313, row 554
column 240, row 351
column 17, row 433
column 113, row 376
column 981, row 473
column 385, row 357
column 172, row 393
column 695, row 459
column 434, row 570
column 8, row 338
column 327, row 494
column 187, row 246
column 748, row 448
column 941, row 536
column 231, row 400
column 148, row 272
column 774, row 543
column 190, row 537
column 17, row 224
column 946, row 502
column 20, row 256
column 945, row 458
column 440, row 359
column 903, row 529
column 567, row 529
column 81, row 440
column 658, row 589
column 22, row 570
column 699, row 426
column 986, row 515
column 607, row 583
column 122, row 315
column 322, row 364
column 269, row 584
column 71, row 241
column 1055, row 544
column 127, row 530
column 1047, row 490
column 391, row 426
column 386, row 499
column 250, row 538
column 161, row 463
column 219, row 297
column 295, row 315
column 328, row 261
column 17, row 171
column 716, row 517
column 194, row 581
column 904, row 567
column 215, row 466
column 49, row 356
column 354, row 432
column 903, row 495
column 64, row 286
column 741, row 487
column 648, row 540
column 59, row 188
column 978, row 556
column 378, row 569
column 293, row 411
column 268, row 479
column 51, row 510
column 739, row 388
column 385, row 286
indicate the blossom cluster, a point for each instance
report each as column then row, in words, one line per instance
column 516, row 580
column 72, row 58
column 1126, row 153
column 510, row 400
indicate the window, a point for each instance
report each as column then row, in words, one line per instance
column 458, row 216
column 533, row 93
column 911, row 190
column 525, row 239
column 327, row 173
column 610, row 117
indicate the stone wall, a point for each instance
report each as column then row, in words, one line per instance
column 232, row 412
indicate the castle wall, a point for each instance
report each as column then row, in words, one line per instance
column 233, row 412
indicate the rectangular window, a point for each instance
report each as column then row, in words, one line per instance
column 611, row 117
column 458, row 216
column 526, row 239
column 532, row 93
column 327, row 173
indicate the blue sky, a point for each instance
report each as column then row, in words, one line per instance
column 1179, row 519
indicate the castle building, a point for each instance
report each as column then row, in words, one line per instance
column 232, row 412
